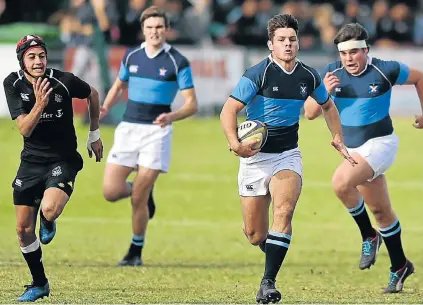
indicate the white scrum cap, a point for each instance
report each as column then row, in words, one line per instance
column 351, row 44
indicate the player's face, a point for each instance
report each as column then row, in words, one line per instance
column 35, row 61
column 284, row 44
column 154, row 31
column 354, row 60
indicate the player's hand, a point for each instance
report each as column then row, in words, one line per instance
column 41, row 92
column 97, row 149
column 418, row 122
column 163, row 120
column 338, row 144
column 103, row 112
column 245, row 149
column 331, row 81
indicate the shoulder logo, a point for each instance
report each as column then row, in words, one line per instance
column 58, row 98
column 373, row 88
column 133, row 68
column 162, row 71
column 25, row 96
column 303, row 89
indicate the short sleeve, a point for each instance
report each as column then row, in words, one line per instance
column 124, row 70
column 185, row 79
column 78, row 88
column 319, row 93
column 247, row 87
column 396, row 72
column 13, row 98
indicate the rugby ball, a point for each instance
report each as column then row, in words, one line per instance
column 252, row 130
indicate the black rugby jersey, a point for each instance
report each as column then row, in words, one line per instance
column 53, row 138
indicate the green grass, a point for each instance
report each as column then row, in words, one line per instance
column 195, row 249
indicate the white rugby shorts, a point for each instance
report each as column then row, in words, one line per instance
column 146, row 145
column 255, row 172
column 379, row 152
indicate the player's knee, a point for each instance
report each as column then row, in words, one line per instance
column 341, row 185
column 254, row 237
column 49, row 209
column 111, row 195
column 25, row 231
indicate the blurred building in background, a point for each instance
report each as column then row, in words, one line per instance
column 220, row 37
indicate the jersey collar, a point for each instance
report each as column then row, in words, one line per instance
column 165, row 47
column 283, row 69
column 369, row 62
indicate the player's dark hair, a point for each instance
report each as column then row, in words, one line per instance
column 154, row 11
column 351, row 31
column 281, row 21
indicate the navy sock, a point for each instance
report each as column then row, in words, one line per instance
column 359, row 213
column 392, row 237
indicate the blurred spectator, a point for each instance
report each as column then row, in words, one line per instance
column 244, row 25
column 130, row 25
column 395, row 28
column 226, row 22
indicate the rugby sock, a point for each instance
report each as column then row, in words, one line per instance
column 359, row 213
column 392, row 237
column 151, row 204
column 277, row 245
column 33, row 257
column 136, row 245
column 262, row 246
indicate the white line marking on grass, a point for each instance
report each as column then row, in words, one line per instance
column 410, row 184
column 200, row 223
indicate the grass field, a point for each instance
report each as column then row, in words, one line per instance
column 195, row 250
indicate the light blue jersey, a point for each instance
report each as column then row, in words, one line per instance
column 363, row 100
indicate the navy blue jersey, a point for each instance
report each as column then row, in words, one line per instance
column 275, row 97
column 363, row 100
column 153, row 81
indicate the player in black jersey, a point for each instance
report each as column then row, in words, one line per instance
column 40, row 101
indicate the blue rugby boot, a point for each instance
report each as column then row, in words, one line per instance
column 33, row 293
column 47, row 230
column 397, row 279
column 369, row 251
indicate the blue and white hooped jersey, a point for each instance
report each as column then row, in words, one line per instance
column 153, row 81
column 363, row 100
column 275, row 97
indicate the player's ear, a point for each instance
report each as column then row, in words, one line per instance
column 270, row 45
column 298, row 44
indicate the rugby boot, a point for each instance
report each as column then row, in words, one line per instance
column 47, row 230
column 33, row 293
column 130, row 260
column 369, row 251
column 397, row 279
column 268, row 293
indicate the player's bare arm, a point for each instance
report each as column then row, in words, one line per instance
column 94, row 142
column 112, row 96
column 312, row 110
column 27, row 122
column 228, row 119
column 330, row 112
column 416, row 78
column 189, row 108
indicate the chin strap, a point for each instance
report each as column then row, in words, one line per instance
column 93, row 136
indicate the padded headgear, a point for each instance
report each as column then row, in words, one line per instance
column 27, row 42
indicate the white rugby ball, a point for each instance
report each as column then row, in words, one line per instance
column 252, row 130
